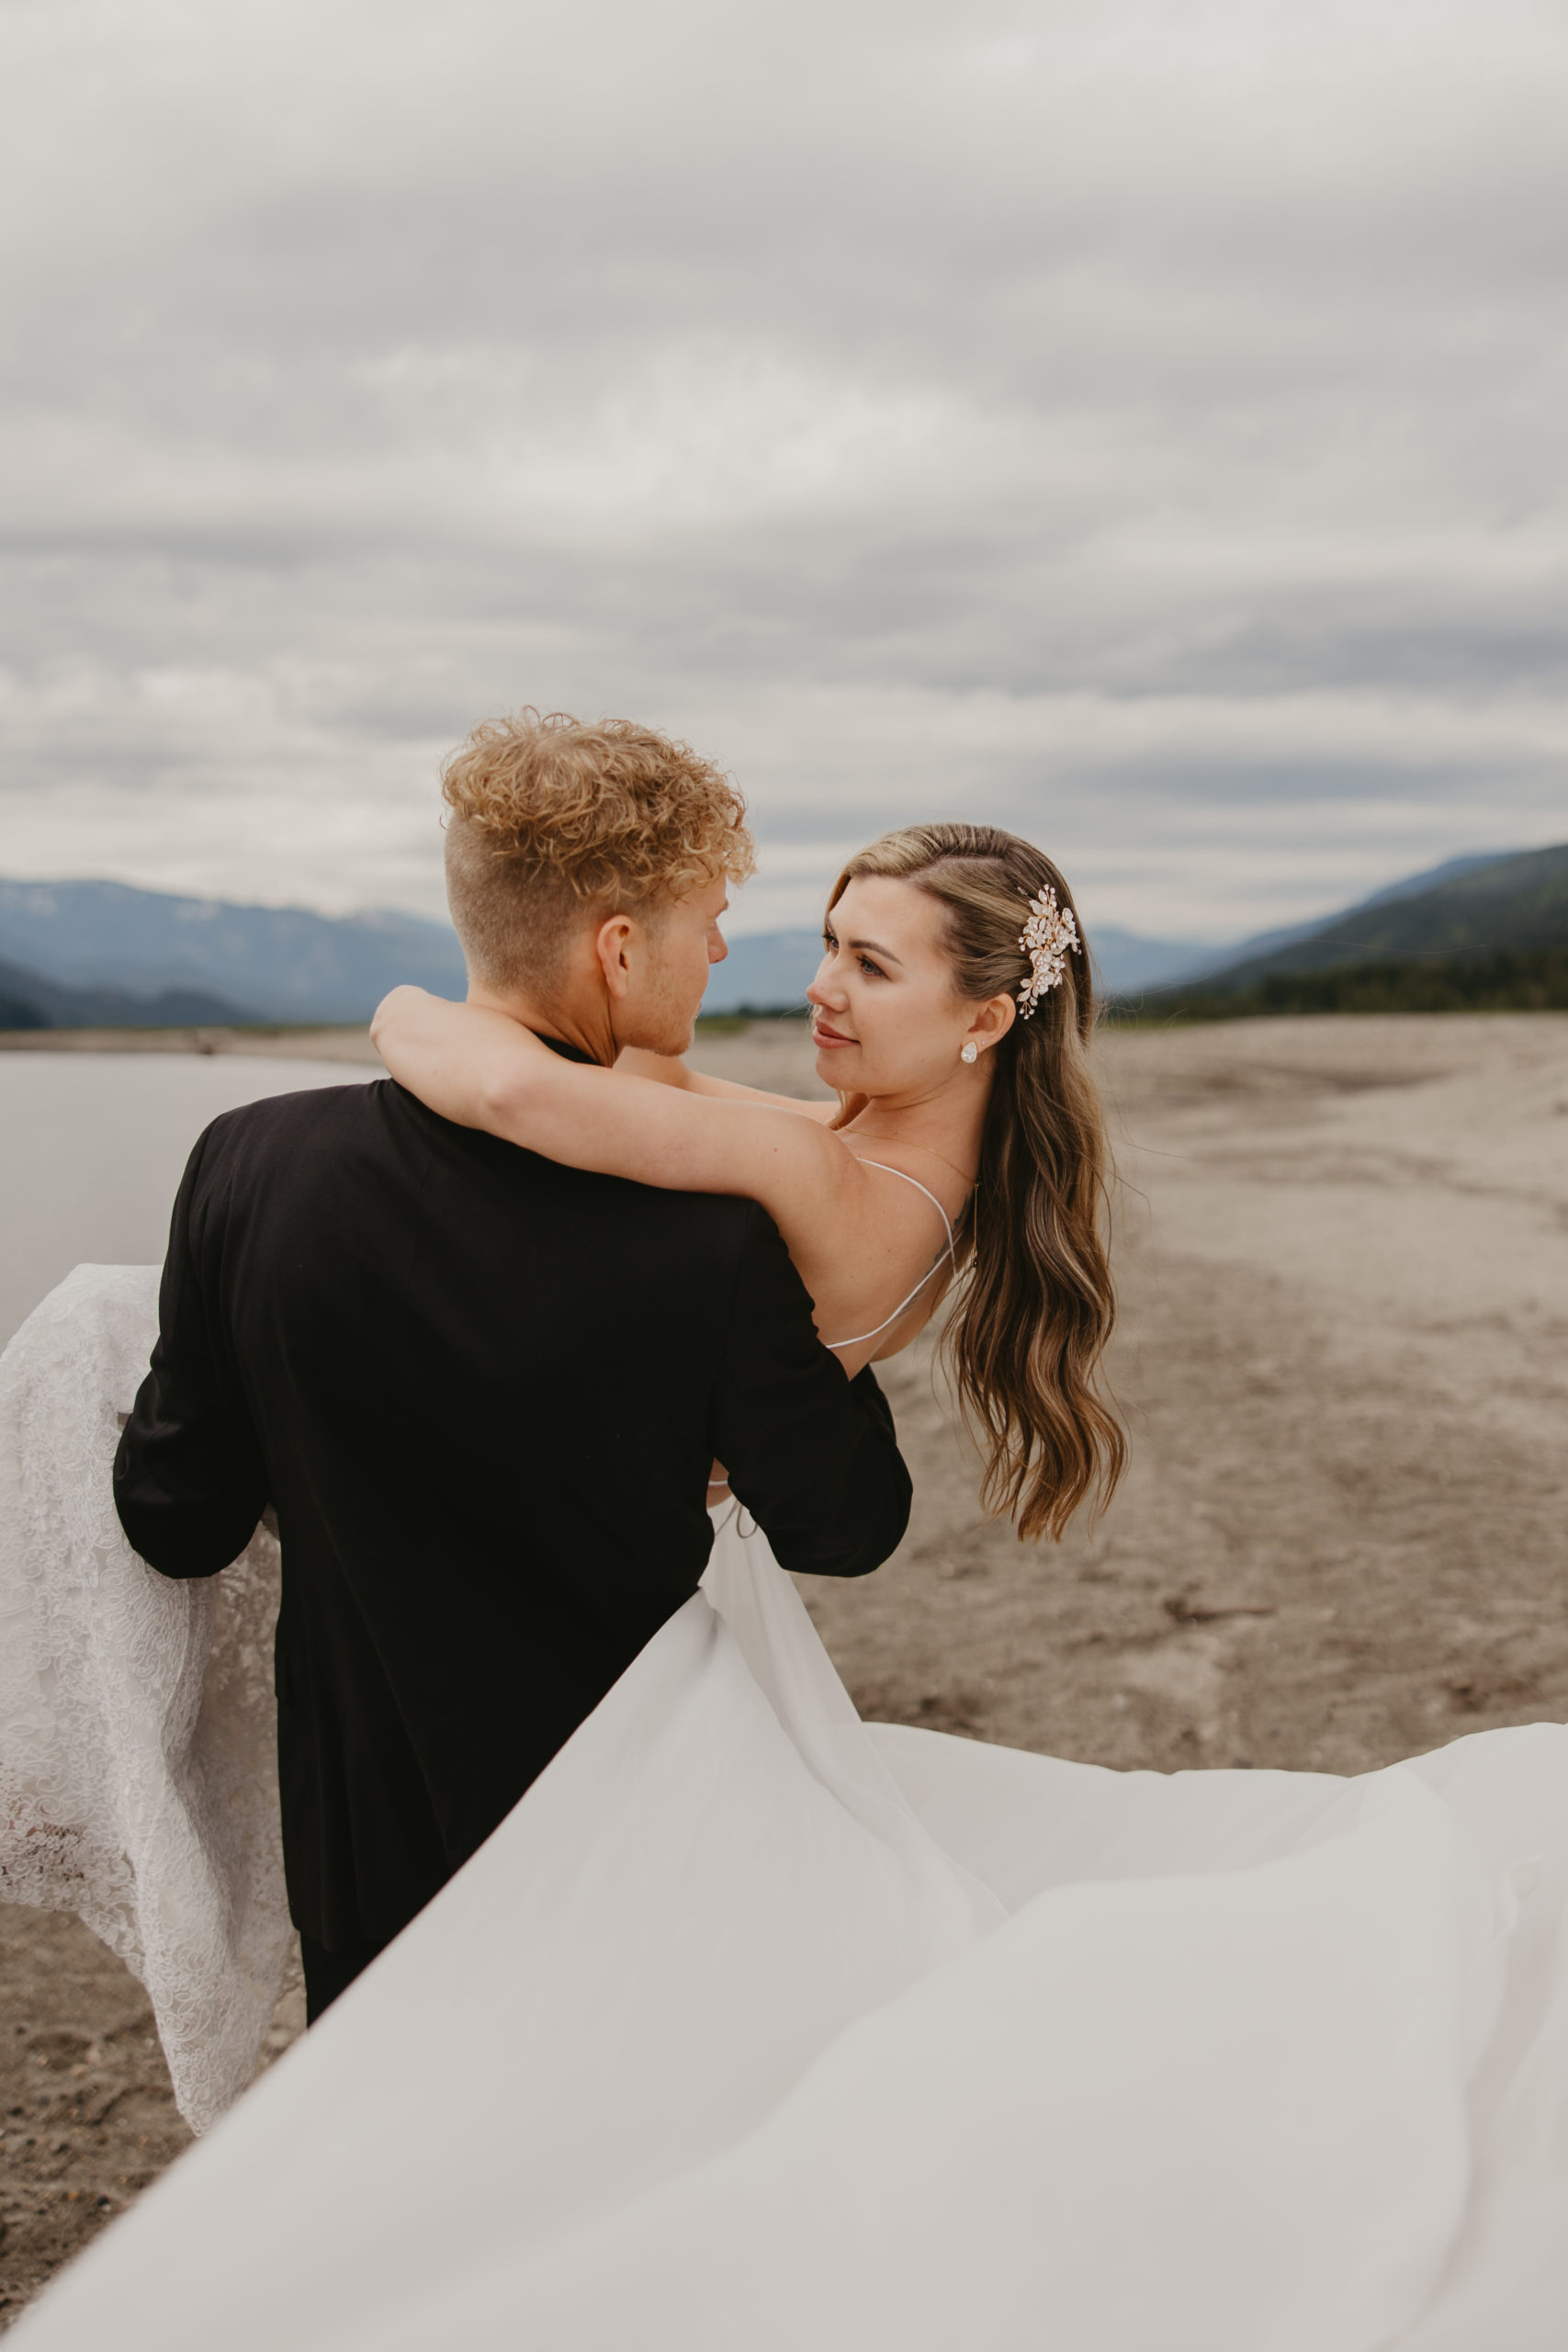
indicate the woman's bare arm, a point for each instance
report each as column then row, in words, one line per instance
column 852, row 1244
column 666, row 1069
column 481, row 1069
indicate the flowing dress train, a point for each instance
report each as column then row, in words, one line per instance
column 757, row 2026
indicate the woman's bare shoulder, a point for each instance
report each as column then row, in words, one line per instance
column 920, row 1180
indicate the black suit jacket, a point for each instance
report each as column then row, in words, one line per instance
column 484, row 1394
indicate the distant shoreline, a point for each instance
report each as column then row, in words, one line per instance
column 773, row 1031
column 276, row 1040
column 305, row 1043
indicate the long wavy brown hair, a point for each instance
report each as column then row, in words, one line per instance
column 1036, row 1303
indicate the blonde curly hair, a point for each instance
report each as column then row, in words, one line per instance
column 552, row 817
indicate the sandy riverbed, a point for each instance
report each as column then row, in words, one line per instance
column 1343, row 1248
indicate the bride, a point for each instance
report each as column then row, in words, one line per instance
column 755, row 2025
column 952, row 1014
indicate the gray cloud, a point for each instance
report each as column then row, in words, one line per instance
column 1138, row 426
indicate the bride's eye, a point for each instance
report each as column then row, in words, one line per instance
column 866, row 964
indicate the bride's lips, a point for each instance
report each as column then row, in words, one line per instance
column 825, row 1036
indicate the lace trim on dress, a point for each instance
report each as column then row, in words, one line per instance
column 137, row 1730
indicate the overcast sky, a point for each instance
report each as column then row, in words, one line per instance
column 1139, row 424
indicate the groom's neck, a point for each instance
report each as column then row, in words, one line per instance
column 585, row 1025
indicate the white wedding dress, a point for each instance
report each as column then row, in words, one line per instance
column 757, row 2027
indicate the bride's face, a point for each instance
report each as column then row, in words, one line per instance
column 885, row 1015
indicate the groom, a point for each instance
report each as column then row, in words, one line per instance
column 484, row 1393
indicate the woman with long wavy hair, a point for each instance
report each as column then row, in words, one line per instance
column 951, row 1014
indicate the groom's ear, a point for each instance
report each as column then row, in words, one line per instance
column 614, row 944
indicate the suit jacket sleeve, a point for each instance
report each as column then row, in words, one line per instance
column 189, row 1484
column 812, row 1456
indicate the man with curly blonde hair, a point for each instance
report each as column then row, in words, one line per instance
column 484, row 1393
column 587, row 868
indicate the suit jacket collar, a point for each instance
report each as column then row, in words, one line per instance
column 558, row 1046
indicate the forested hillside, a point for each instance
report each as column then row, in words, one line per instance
column 1494, row 939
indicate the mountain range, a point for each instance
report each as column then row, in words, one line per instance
column 28, row 1001
column 1261, row 943
column 80, row 955
column 1511, row 906
column 103, row 955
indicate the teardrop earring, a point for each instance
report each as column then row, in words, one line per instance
column 969, row 1051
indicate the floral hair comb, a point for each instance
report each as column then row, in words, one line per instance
column 1045, row 939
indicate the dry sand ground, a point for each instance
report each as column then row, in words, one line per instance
column 1343, row 1248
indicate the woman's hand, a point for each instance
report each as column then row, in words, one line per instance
column 453, row 1055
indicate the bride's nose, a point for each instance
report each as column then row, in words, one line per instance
column 822, row 990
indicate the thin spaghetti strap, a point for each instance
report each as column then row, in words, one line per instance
column 942, row 1256
column 930, row 1196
